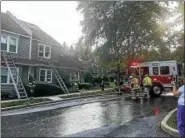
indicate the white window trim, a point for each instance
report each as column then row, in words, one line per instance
column 8, row 43
column 9, row 77
column 44, row 51
column 45, row 77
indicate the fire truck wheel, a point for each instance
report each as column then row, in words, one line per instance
column 156, row 90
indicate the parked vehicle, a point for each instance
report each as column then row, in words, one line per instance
column 162, row 74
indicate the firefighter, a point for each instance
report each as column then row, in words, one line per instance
column 134, row 85
column 147, row 83
column 134, row 82
column 102, row 84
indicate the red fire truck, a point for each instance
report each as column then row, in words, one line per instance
column 161, row 72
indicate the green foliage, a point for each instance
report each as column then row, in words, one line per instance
column 84, row 86
column 172, row 121
column 124, row 29
column 4, row 95
column 97, row 80
column 22, row 102
column 45, row 89
column 88, row 77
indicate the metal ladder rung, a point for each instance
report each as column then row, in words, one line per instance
column 18, row 85
column 58, row 77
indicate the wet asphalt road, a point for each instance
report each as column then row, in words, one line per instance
column 114, row 118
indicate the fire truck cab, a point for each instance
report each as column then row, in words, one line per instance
column 162, row 74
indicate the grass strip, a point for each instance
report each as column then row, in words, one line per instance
column 172, row 121
column 23, row 102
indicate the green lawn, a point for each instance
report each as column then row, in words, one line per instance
column 23, row 102
column 172, row 121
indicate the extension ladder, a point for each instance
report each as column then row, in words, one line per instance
column 16, row 79
column 58, row 77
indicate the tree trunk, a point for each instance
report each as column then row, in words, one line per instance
column 118, row 75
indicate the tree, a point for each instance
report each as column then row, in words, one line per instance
column 121, row 28
column 65, row 47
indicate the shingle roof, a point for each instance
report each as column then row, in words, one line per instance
column 65, row 62
column 39, row 34
column 7, row 23
column 69, row 61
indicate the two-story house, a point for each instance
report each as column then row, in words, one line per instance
column 30, row 46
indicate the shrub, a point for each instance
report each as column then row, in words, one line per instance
column 4, row 95
column 88, row 77
column 106, row 79
column 44, row 89
column 84, row 86
column 106, row 83
column 97, row 80
column 112, row 79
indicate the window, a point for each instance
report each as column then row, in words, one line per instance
column 45, row 75
column 47, row 52
column 12, row 44
column 74, row 76
column 9, row 43
column 44, row 51
column 41, row 51
column 164, row 70
column 4, row 43
column 5, row 76
column 155, row 71
column 42, row 75
column 49, row 76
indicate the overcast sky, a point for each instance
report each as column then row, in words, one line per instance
column 57, row 18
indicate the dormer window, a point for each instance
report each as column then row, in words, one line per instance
column 44, row 51
column 9, row 43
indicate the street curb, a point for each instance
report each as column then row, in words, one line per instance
column 166, row 128
column 51, row 102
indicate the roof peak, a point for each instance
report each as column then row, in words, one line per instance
column 23, row 26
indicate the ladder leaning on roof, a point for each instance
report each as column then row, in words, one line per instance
column 16, row 79
column 58, row 77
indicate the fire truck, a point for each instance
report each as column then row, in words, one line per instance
column 162, row 73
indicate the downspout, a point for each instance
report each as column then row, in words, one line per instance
column 30, row 48
column 30, row 51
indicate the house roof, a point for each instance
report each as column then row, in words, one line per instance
column 38, row 33
column 70, row 61
column 65, row 62
column 7, row 23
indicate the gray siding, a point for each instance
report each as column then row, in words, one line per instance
column 10, row 87
column 55, row 51
column 23, row 46
column 34, row 49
